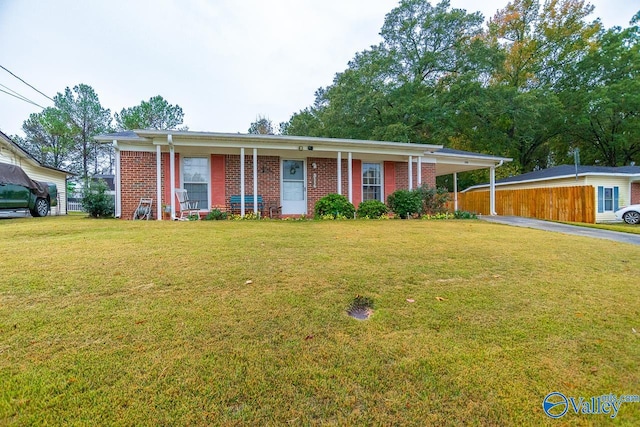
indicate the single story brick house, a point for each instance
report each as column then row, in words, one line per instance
column 289, row 172
column 611, row 187
column 12, row 153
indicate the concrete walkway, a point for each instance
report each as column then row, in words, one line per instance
column 517, row 221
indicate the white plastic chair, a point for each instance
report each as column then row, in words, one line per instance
column 188, row 208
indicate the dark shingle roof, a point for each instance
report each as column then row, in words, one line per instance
column 569, row 170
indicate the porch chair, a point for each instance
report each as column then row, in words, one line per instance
column 188, row 207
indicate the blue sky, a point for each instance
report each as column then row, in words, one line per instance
column 223, row 61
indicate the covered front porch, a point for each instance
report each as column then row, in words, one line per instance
column 260, row 171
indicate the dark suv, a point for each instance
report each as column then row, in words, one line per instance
column 18, row 191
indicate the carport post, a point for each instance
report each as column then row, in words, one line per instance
column 492, row 191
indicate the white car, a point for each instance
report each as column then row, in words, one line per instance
column 630, row 214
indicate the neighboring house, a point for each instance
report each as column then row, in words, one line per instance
column 613, row 187
column 12, row 153
column 290, row 172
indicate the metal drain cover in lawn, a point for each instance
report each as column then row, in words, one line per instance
column 361, row 308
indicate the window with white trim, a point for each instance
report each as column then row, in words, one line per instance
column 371, row 181
column 608, row 199
column 195, row 179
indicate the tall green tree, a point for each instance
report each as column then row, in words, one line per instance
column 156, row 113
column 86, row 118
column 49, row 138
column 262, row 126
column 602, row 96
column 389, row 92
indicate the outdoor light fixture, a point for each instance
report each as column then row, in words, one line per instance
column 310, row 148
column 300, row 148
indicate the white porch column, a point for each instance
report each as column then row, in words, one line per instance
column 255, row 181
column 158, row 183
column 172, row 175
column 242, row 181
column 492, row 191
column 350, row 177
column 455, row 191
column 117, row 185
column 419, row 171
column 410, row 172
column 339, row 173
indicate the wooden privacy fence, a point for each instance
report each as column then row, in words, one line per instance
column 573, row 204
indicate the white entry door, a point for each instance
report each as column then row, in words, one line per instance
column 294, row 194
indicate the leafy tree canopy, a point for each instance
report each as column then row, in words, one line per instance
column 156, row 113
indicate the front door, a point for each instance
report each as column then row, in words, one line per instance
column 294, row 195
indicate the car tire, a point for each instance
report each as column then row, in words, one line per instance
column 41, row 207
column 631, row 217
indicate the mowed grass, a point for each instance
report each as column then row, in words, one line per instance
column 106, row 322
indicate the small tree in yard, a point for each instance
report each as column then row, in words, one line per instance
column 96, row 202
column 433, row 199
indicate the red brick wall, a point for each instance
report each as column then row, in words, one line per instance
column 137, row 180
column 326, row 180
column 635, row 193
column 402, row 175
column 268, row 177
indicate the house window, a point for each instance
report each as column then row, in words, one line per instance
column 195, row 179
column 371, row 181
column 608, row 199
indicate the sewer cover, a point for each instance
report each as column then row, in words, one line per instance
column 361, row 308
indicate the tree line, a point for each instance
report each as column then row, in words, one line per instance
column 62, row 136
column 536, row 83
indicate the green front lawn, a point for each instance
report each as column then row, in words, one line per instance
column 244, row 322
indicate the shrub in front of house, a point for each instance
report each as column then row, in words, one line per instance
column 464, row 215
column 95, row 200
column 216, row 215
column 405, row 203
column 433, row 199
column 336, row 205
column 372, row 209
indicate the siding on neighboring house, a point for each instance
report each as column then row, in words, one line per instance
column 621, row 195
column 39, row 173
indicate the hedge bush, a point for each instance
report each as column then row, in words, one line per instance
column 404, row 203
column 335, row 205
column 373, row 209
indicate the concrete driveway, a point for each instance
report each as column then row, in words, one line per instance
column 517, row 221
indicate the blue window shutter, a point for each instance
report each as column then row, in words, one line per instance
column 616, row 193
column 600, row 199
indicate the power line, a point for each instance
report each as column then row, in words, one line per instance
column 22, row 98
column 32, row 87
column 17, row 95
